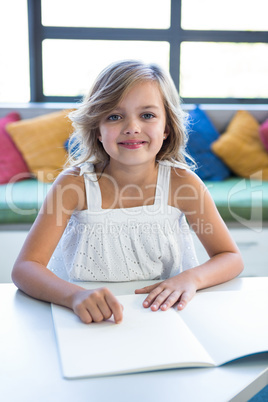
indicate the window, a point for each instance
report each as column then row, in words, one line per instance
column 223, row 70
column 227, row 15
column 225, row 52
column 147, row 14
column 14, row 66
column 216, row 52
column 76, row 63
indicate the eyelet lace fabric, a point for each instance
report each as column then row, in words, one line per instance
column 116, row 245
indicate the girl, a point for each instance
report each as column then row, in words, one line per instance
column 119, row 213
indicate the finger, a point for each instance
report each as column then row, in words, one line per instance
column 83, row 314
column 95, row 312
column 147, row 289
column 152, row 296
column 104, row 309
column 184, row 300
column 160, row 299
column 115, row 307
column 170, row 301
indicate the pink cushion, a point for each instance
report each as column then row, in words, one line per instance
column 12, row 164
column 263, row 130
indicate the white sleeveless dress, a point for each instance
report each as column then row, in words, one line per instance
column 115, row 245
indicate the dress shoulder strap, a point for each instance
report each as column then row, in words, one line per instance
column 163, row 181
column 93, row 194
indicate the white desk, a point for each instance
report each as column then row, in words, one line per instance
column 30, row 371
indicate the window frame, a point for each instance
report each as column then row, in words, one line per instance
column 173, row 35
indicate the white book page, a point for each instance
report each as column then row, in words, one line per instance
column 229, row 324
column 145, row 340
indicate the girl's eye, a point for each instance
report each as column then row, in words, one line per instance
column 147, row 116
column 114, row 117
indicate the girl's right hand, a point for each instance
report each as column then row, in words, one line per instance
column 96, row 305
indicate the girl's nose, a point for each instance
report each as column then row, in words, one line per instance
column 132, row 127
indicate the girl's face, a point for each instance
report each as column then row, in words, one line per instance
column 133, row 133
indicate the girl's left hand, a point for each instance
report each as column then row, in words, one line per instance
column 180, row 288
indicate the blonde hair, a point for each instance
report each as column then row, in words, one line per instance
column 108, row 90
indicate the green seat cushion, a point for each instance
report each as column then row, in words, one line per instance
column 237, row 198
column 21, row 201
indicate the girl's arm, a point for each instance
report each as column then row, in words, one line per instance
column 30, row 272
column 190, row 195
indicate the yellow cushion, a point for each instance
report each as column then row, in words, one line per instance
column 41, row 142
column 241, row 149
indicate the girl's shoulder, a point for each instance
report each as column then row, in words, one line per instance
column 69, row 187
column 70, row 175
column 76, row 173
column 181, row 174
column 183, row 179
column 186, row 188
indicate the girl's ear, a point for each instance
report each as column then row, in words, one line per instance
column 167, row 131
column 99, row 138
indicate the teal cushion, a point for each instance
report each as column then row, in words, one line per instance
column 238, row 199
column 235, row 198
column 21, row 201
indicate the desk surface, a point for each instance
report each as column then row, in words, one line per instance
column 30, row 370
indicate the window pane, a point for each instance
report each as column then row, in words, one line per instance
column 14, row 66
column 107, row 13
column 71, row 66
column 234, row 15
column 236, row 70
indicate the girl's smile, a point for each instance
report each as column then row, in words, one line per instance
column 132, row 144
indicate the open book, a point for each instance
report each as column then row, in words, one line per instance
column 215, row 328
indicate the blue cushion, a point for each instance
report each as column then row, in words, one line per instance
column 71, row 147
column 201, row 135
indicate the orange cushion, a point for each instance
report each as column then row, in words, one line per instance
column 41, row 142
column 241, row 149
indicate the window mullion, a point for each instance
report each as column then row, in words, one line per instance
column 105, row 33
column 35, row 50
column 224, row 36
column 175, row 40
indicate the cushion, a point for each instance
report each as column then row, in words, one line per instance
column 201, row 135
column 41, row 142
column 241, row 149
column 263, row 131
column 72, row 148
column 238, row 199
column 20, row 202
column 12, row 165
